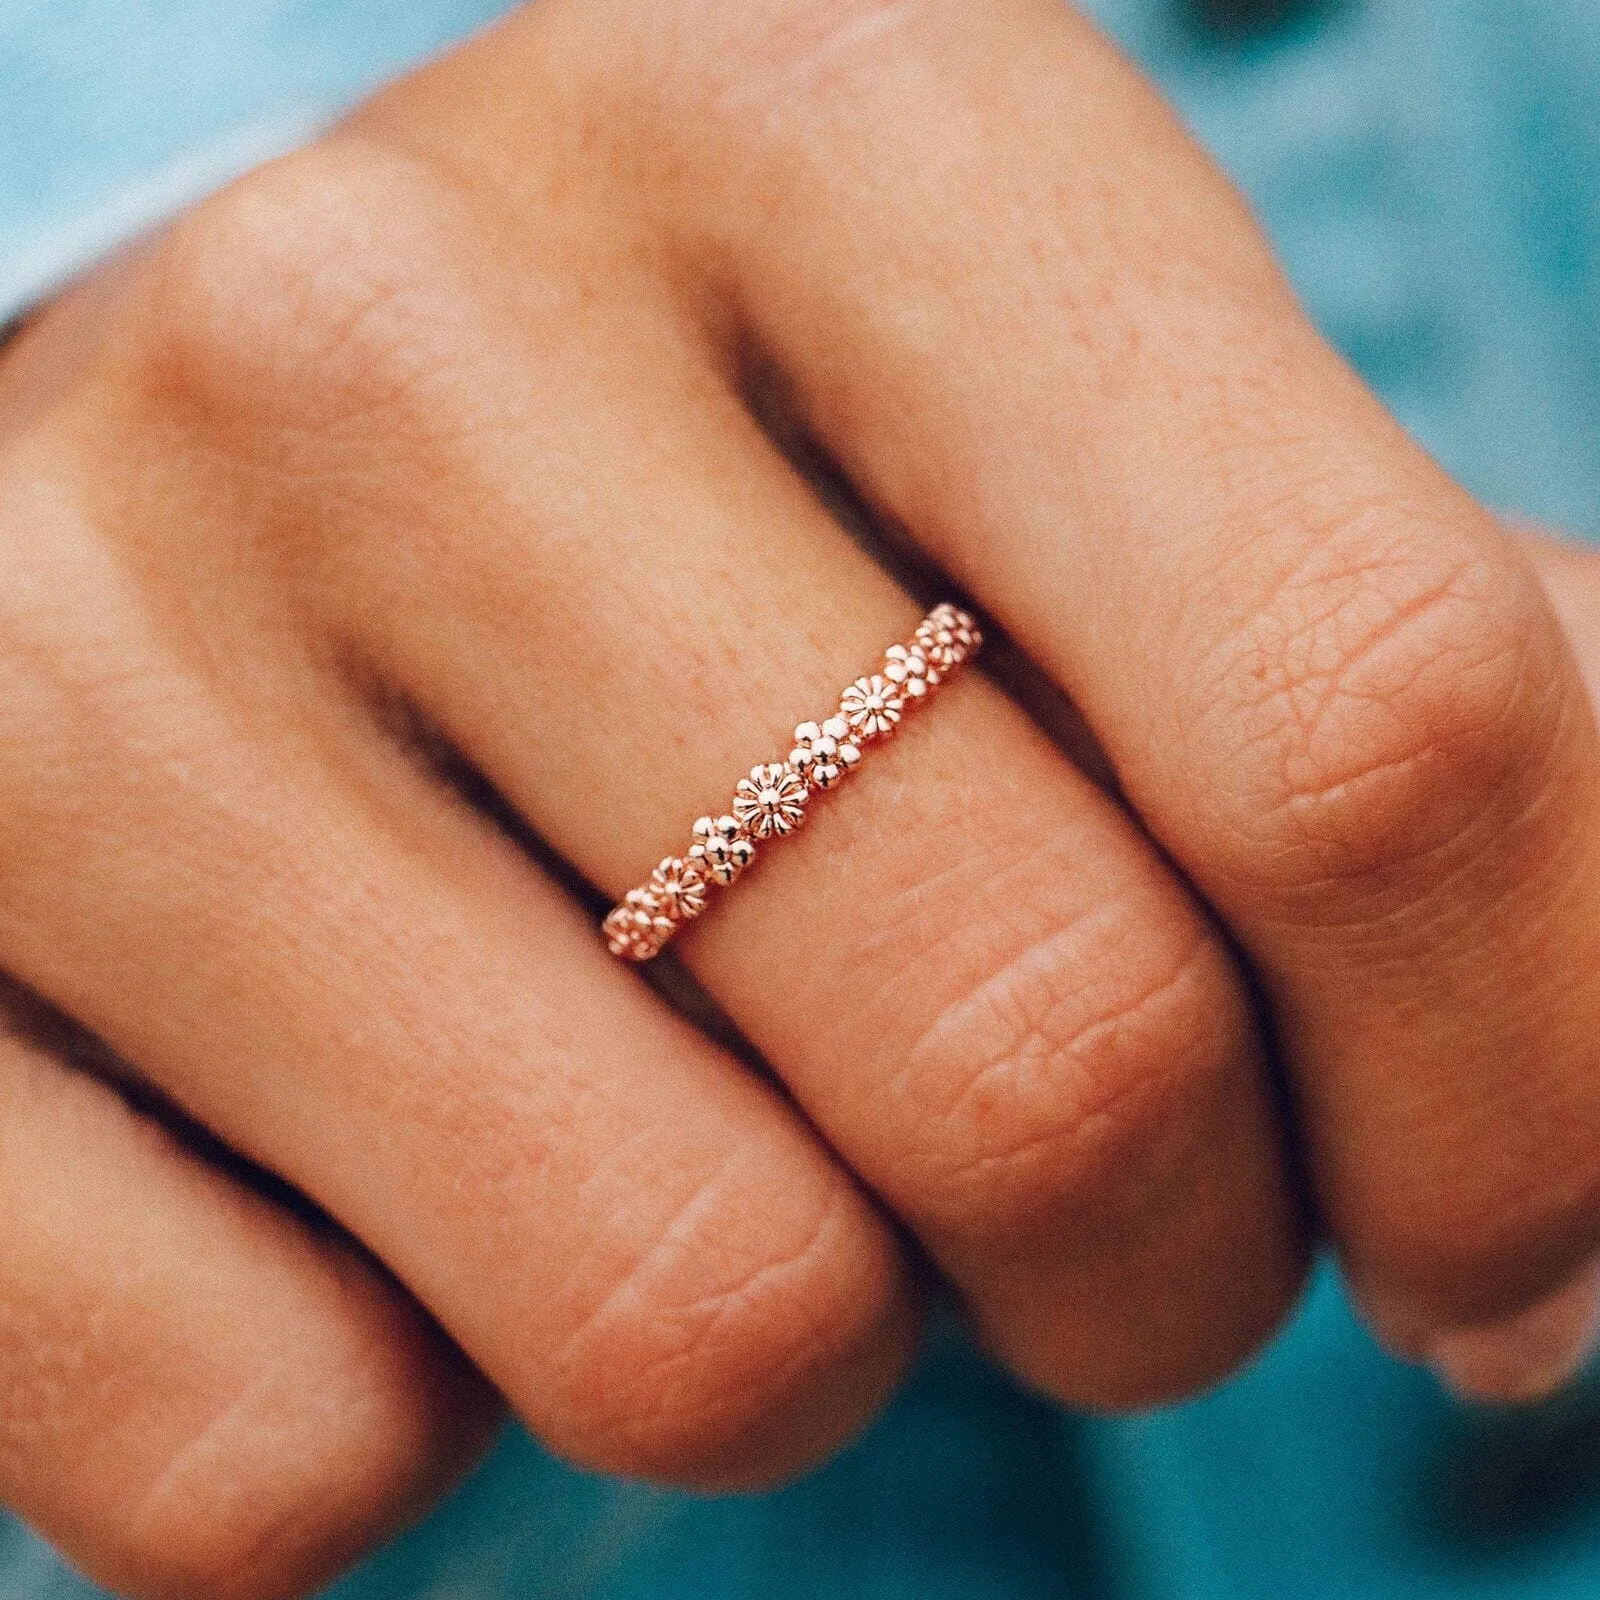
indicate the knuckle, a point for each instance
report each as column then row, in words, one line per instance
column 222, row 1525
column 308, row 291
column 783, row 36
column 76, row 679
column 713, row 68
column 1375, row 713
column 1061, row 1084
column 179, row 1556
column 793, row 52
column 685, row 1368
column 1472, row 1249
column 288, row 1471
column 1106, row 1370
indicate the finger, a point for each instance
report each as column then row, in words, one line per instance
column 199, row 1395
column 1040, row 333
column 1538, row 1350
column 984, row 988
column 328, row 960
column 1569, row 573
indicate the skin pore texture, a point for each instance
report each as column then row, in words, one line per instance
column 399, row 553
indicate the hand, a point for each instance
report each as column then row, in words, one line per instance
column 402, row 530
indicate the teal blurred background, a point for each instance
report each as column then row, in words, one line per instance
column 1430, row 171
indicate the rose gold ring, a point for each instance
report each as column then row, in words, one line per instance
column 771, row 802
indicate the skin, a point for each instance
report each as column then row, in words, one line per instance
column 457, row 432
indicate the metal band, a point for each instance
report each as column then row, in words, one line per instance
column 771, row 803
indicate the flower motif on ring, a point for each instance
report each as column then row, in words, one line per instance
column 680, row 887
column 964, row 628
column 824, row 754
column 906, row 666
column 872, row 707
column 639, row 927
column 772, row 800
column 947, row 635
column 720, row 849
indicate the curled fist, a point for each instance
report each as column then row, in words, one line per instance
column 412, row 539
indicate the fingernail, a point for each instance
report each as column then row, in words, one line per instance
column 1528, row 1356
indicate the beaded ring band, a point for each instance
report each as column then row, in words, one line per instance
column 771, row 802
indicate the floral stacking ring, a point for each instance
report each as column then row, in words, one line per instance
column 771, row 803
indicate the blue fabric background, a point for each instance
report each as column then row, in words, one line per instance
column 1430, row 170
